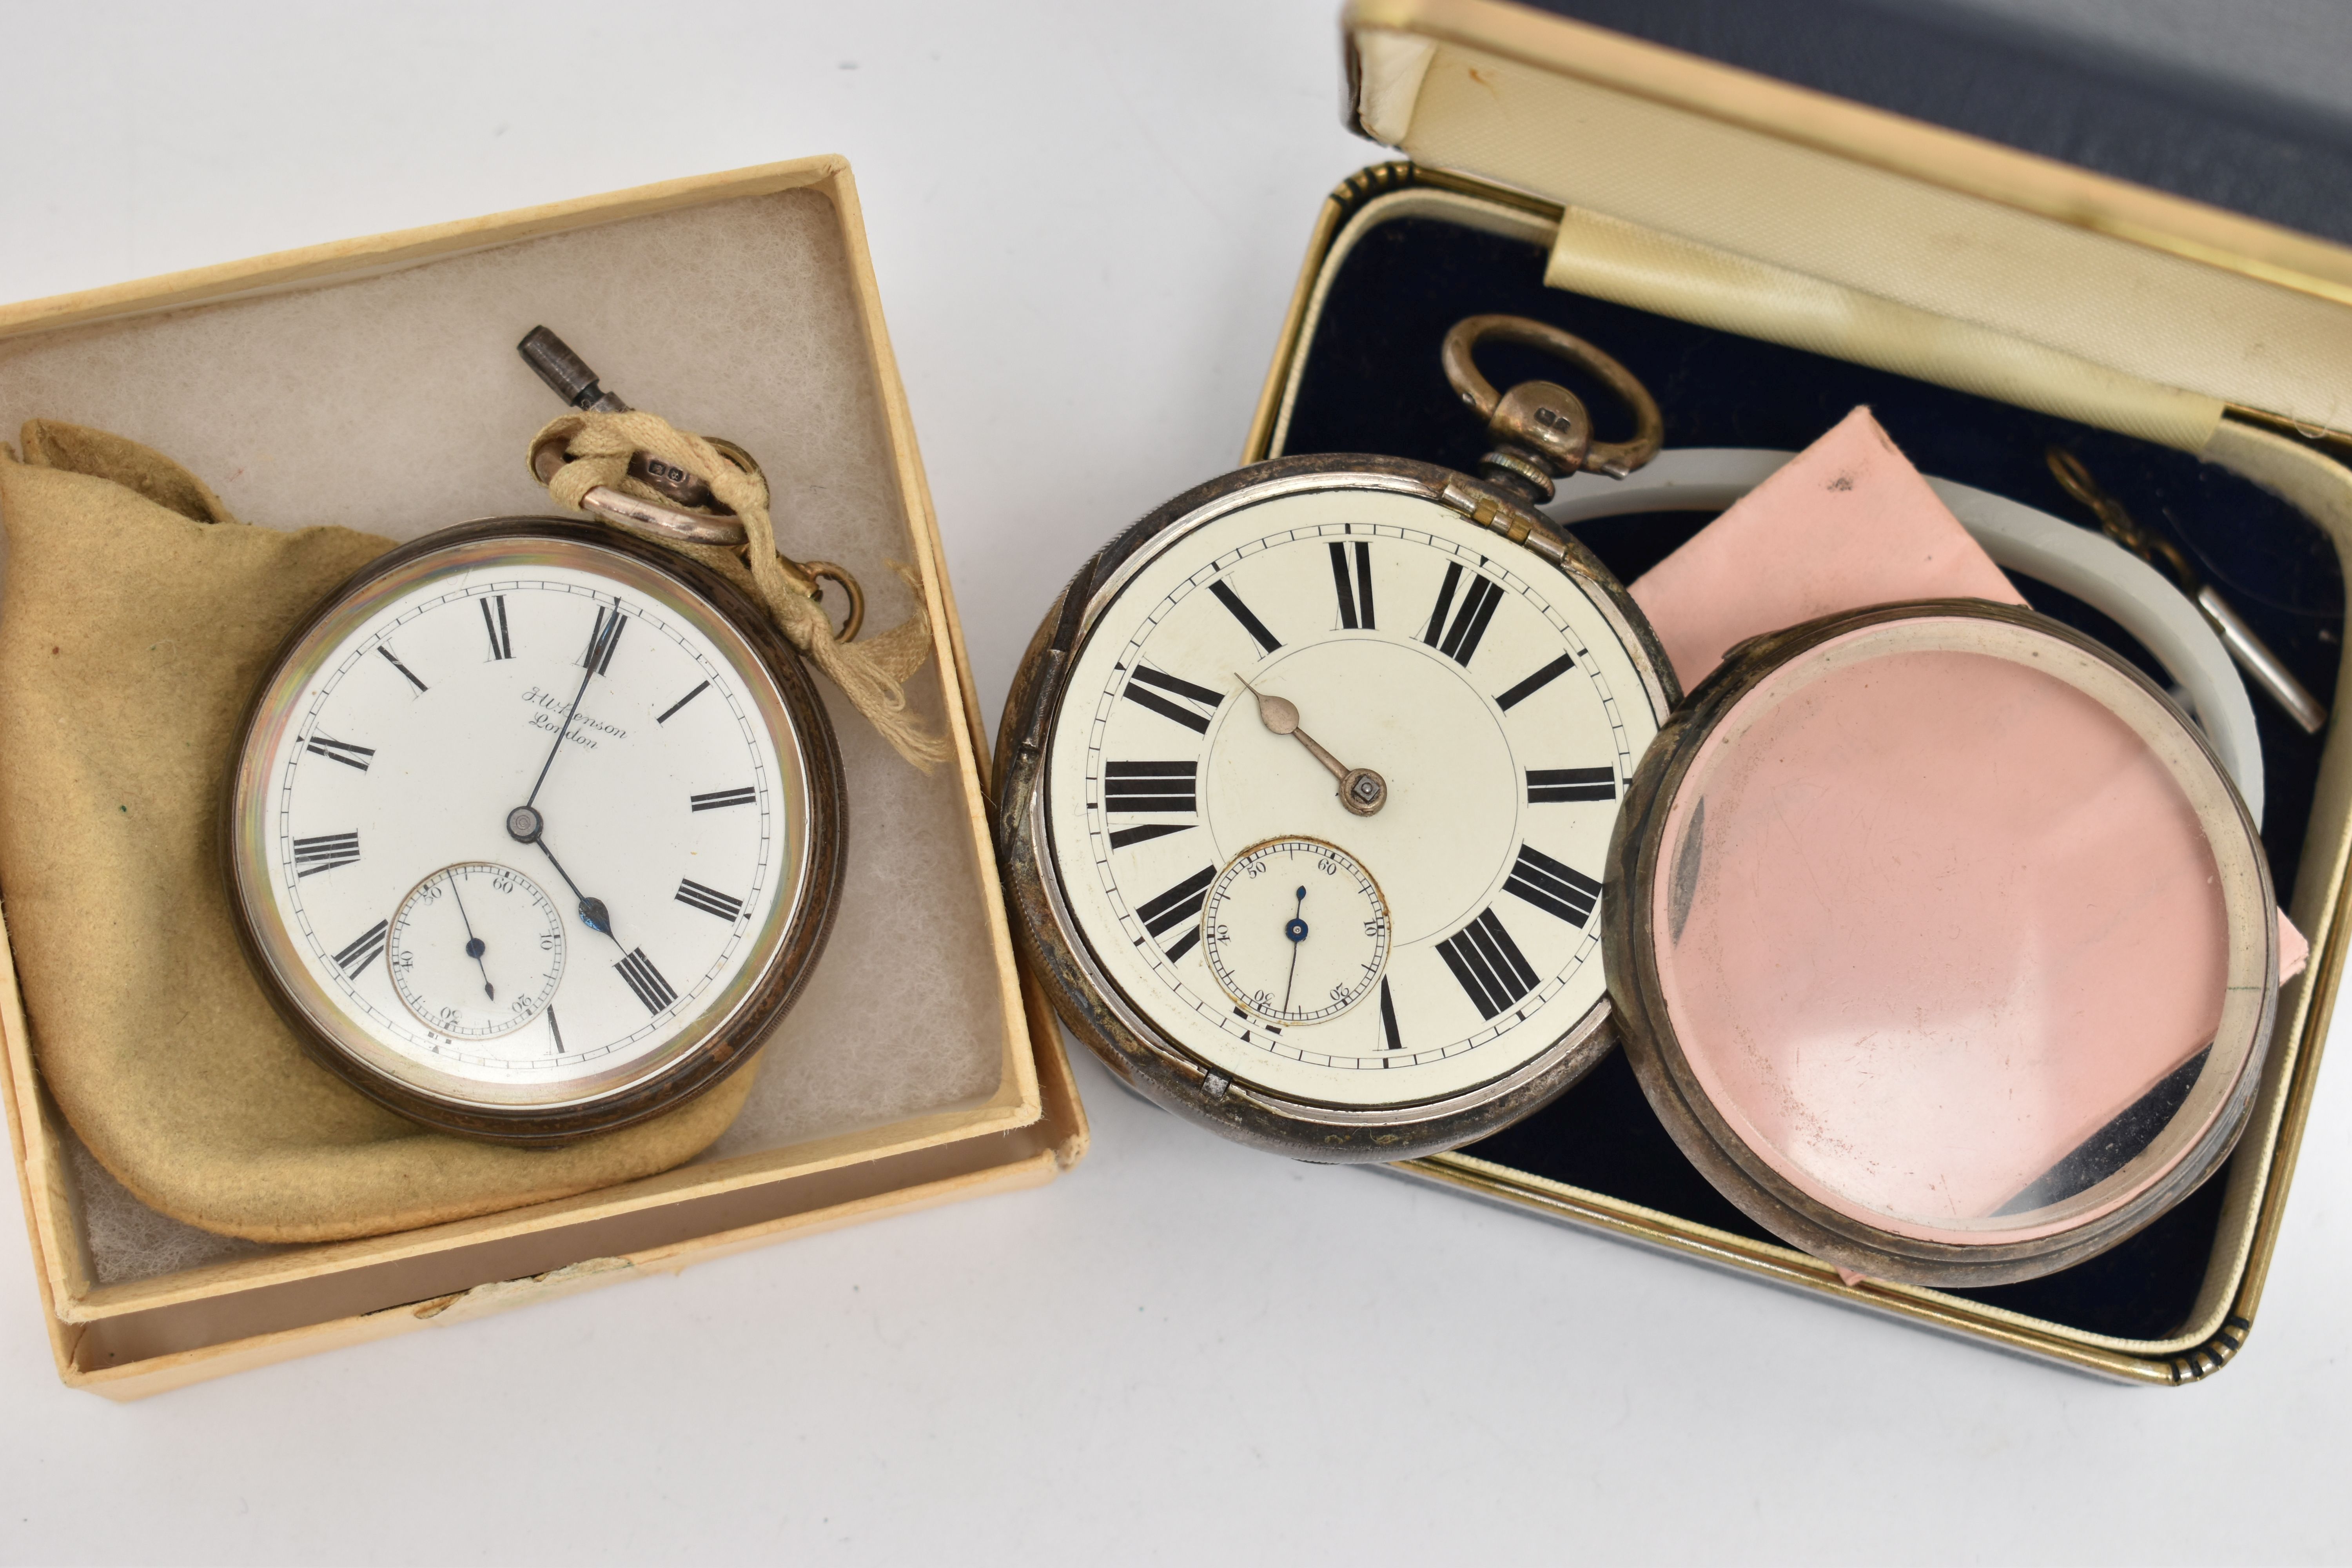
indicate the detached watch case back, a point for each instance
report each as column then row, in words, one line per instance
column 1354, row 723
column 1944, row 945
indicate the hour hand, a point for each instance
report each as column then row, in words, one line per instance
column 1361, row 791
column 526, row 826
column 592, row 912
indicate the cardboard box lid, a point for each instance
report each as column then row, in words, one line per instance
column 2154, row 284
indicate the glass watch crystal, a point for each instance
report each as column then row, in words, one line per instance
column 1307, row 780
column 535, row 828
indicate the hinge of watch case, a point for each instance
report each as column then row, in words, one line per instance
column 1514, row 522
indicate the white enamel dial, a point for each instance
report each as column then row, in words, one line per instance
column 1295, row 931
column 1494, row 696
column 466, row 903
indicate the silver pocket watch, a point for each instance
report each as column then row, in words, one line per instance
column 537, row 827
column 1308, row 779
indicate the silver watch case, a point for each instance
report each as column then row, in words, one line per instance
column 1123, row 1033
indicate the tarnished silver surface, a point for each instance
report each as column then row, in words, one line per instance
column 1542, row 431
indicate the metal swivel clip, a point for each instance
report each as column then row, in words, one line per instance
column 696, row 516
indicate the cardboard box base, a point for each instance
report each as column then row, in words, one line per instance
column 743, row 303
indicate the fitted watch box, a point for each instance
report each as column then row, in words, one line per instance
column 373, row 383
column 1765, row 257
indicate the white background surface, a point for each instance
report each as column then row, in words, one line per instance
column 1086, row 220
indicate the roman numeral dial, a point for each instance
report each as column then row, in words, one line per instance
column 363, row 949
column 406, row 674
column 1551, row 887
column 645, row 980
column 1550, row 787
column 529, row 825
column 709, row 900
column 1245, row 616
column 603, row 640
column 671, row 711
column 1227, row 682
column 343, row 751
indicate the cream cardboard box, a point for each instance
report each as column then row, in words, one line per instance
column 374, row 384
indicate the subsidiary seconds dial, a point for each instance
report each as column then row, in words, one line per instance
column 1258, row 941
column 459, row 929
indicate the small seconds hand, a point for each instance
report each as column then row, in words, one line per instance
column 475, row 946
column 1296, row 930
